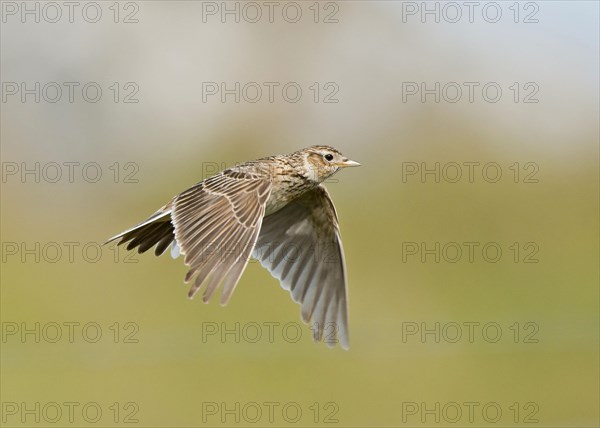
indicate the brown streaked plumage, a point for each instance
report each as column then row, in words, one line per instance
column 274, row 209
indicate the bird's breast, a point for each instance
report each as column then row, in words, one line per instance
column 282, row 194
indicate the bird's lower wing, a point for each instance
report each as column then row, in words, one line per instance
column 216, row 226
column 300, row 245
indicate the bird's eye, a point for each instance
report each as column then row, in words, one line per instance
column 329, row 157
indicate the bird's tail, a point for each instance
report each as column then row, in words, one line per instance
column 156, row 230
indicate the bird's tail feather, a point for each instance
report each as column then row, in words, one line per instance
column 156, row 230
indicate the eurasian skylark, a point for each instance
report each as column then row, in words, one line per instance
column 276, row 210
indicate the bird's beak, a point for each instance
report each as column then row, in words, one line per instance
column 347, row 162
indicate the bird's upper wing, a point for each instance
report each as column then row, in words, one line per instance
column 300, row 245
column 216, row 225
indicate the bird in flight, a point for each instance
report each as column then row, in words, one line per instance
column 274, row 209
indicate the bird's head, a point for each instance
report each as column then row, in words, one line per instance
column 321, row 162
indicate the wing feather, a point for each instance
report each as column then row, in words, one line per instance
column 300, row 245
column 216, row 223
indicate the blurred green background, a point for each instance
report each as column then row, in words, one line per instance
column 164, row 375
